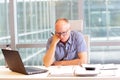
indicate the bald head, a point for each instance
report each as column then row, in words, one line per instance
column 62, row 29
column 62, row 19
column 62, row 23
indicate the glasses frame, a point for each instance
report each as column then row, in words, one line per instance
column 62, row 33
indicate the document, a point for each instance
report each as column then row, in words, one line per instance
column 108, row 67
column 61, row 71
column 90, row 71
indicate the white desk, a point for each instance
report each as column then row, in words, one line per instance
column 59, row 73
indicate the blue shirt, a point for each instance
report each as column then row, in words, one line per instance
column 75, row 44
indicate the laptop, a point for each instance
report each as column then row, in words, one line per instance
column 15, row 63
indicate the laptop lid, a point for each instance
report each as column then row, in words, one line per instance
column 14, row 61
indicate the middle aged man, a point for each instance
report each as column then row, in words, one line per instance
column 65, row 47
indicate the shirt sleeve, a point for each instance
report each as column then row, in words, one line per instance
column 81, row 43
column 48, row 43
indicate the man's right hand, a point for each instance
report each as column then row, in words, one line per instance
column 55, row 39
column 49, row 56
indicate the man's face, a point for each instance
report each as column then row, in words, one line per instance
column 62, row 30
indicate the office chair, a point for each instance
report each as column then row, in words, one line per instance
column 78, row 25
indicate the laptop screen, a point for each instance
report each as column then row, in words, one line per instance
column 14, row 61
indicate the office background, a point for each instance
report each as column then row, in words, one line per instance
column 26, row 25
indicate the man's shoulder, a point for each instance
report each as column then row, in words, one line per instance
column 76, row 33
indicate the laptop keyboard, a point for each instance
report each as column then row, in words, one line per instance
column 34, row 70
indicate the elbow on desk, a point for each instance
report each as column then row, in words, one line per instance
column 46, row 63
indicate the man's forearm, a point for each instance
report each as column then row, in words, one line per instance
column 68, row 62
column 49, row 56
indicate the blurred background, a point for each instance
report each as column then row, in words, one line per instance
column 26, row 25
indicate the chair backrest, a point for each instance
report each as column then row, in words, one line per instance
column 78, row 25
column 87, row 39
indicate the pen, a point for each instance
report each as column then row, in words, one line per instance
column 52, row 33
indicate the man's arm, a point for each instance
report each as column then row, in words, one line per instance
column 81, row 60
column 49, row 55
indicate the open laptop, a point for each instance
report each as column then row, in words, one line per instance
column 15, row 63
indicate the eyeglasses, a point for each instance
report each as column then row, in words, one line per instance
column 62, row 33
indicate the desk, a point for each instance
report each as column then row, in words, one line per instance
column 59, row 73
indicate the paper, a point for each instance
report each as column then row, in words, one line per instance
column 61, row 70
column 81, row 71
column 108, row 67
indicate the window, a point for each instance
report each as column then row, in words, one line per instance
column 102, row 23
column 26, row 25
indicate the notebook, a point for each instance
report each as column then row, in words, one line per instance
column 15, row 63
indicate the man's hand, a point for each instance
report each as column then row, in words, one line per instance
column 56, row 63
column 49, row 56
column 56, row 39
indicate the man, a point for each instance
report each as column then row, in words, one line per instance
column 65, row 47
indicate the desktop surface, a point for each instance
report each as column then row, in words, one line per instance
column 60, row 73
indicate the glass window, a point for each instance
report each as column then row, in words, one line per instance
column 102, row 24
column 33, row 21
column 4, row 24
